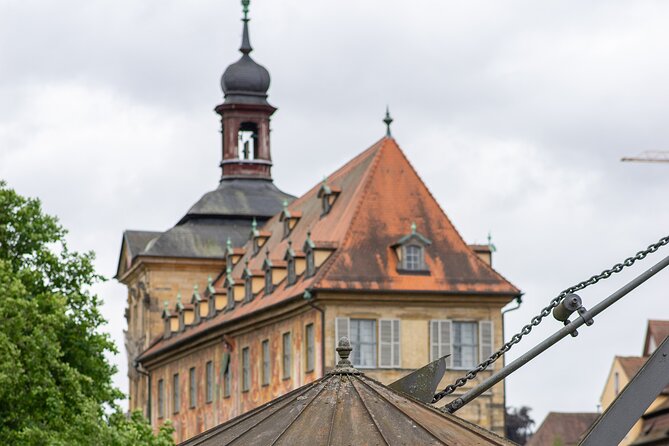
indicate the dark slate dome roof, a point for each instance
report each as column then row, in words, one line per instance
column 245, row 77
column 346, row 408
column 239, row 197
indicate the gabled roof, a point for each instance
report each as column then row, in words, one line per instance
column 656, row 332
column 564, row 429
column 630, row 364
column 381, row 195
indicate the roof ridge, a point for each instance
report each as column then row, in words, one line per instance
column 362, row 185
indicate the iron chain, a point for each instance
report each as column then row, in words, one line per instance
column 536, row 320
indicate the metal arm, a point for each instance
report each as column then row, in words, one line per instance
column 584, row 317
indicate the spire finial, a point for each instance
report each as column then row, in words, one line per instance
column 246, row 42
column 388, row 120
column 228, row 243
column 254, row 224
column 413, row 227
column 179, row 298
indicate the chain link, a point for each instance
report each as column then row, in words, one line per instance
column 536, row 320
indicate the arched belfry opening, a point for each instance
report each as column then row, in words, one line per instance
column 247, row 138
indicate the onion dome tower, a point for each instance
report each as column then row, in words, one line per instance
column 245, row 114
column 344, row 408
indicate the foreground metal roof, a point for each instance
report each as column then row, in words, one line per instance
column 346, row 408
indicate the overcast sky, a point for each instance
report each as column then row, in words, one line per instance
column 515, row 114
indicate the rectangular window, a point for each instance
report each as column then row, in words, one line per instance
column 363, row 342
column 192, row 388
column 246, row 372
column 389, row 343
column 248, row 289
column 309, row 335
column 176, row 396
column 287, row 359
column 161, row 398
column 266, row 372
column 226, row 375
column 210, row 381
column 465, row 344
column 486, row 346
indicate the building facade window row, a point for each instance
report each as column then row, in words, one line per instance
column 376, row 343
column 246, row 371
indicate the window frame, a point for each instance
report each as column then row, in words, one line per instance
column 474, row 346
column 395, row 344
column 310, row 348
column 286, row 355
column 248, row 289
column 161, row 399
column 311, row 263
column 246, row 369
column 209, row 382
column 266, row 369
column 356, row 344
column 176, row 394
column 269, row 284
column 227, row 380
column 291, row 274
column 192, row 388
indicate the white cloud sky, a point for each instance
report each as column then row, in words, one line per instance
column 515, row 114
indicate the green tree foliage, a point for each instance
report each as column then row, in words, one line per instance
column 55, row 381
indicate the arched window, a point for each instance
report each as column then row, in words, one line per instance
column 248, row 141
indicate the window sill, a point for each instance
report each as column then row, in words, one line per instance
column 309, row 371
column 414, row 272
column 209, row 402
column 285, row 378
column 265, row 385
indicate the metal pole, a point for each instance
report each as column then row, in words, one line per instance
column 585, row 317
column 633, row 401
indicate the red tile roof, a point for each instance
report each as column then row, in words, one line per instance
column 564, row 429
column 658, row 332
column 631, row 364
column 381, row 195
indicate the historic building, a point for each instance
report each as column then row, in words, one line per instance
column 244, row 299
column 155, row 266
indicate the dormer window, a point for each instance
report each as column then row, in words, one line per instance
column 328, row 195
column 292, row 277
column 248, row 289
column 289, row 219
column 232, row 255
column 410, row 251
column 309, row 246
column 230, row 287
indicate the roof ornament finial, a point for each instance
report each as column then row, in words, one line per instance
column 246, row 42
column 413, row 227
column 228, row 243
column 492, row 247
column 344, row 366
column 166, row 305
column 179, row 298
column 388, row 120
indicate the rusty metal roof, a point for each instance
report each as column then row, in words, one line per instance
column 346, row 408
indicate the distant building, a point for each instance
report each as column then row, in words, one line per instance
column 562, row 429
column 243, row 300
column 653, row 427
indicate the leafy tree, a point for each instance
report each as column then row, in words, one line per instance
column 518, row 424
column 55, row 381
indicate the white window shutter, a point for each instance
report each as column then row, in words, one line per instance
column 341, row 329
column 445, row 341
column 385, row 343
column 396, row 343
column 485, row 340
column 389, row 343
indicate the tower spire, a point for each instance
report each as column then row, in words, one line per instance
column 246, row 41
column 388, row 120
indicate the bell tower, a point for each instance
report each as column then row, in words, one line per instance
column 245, row 115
